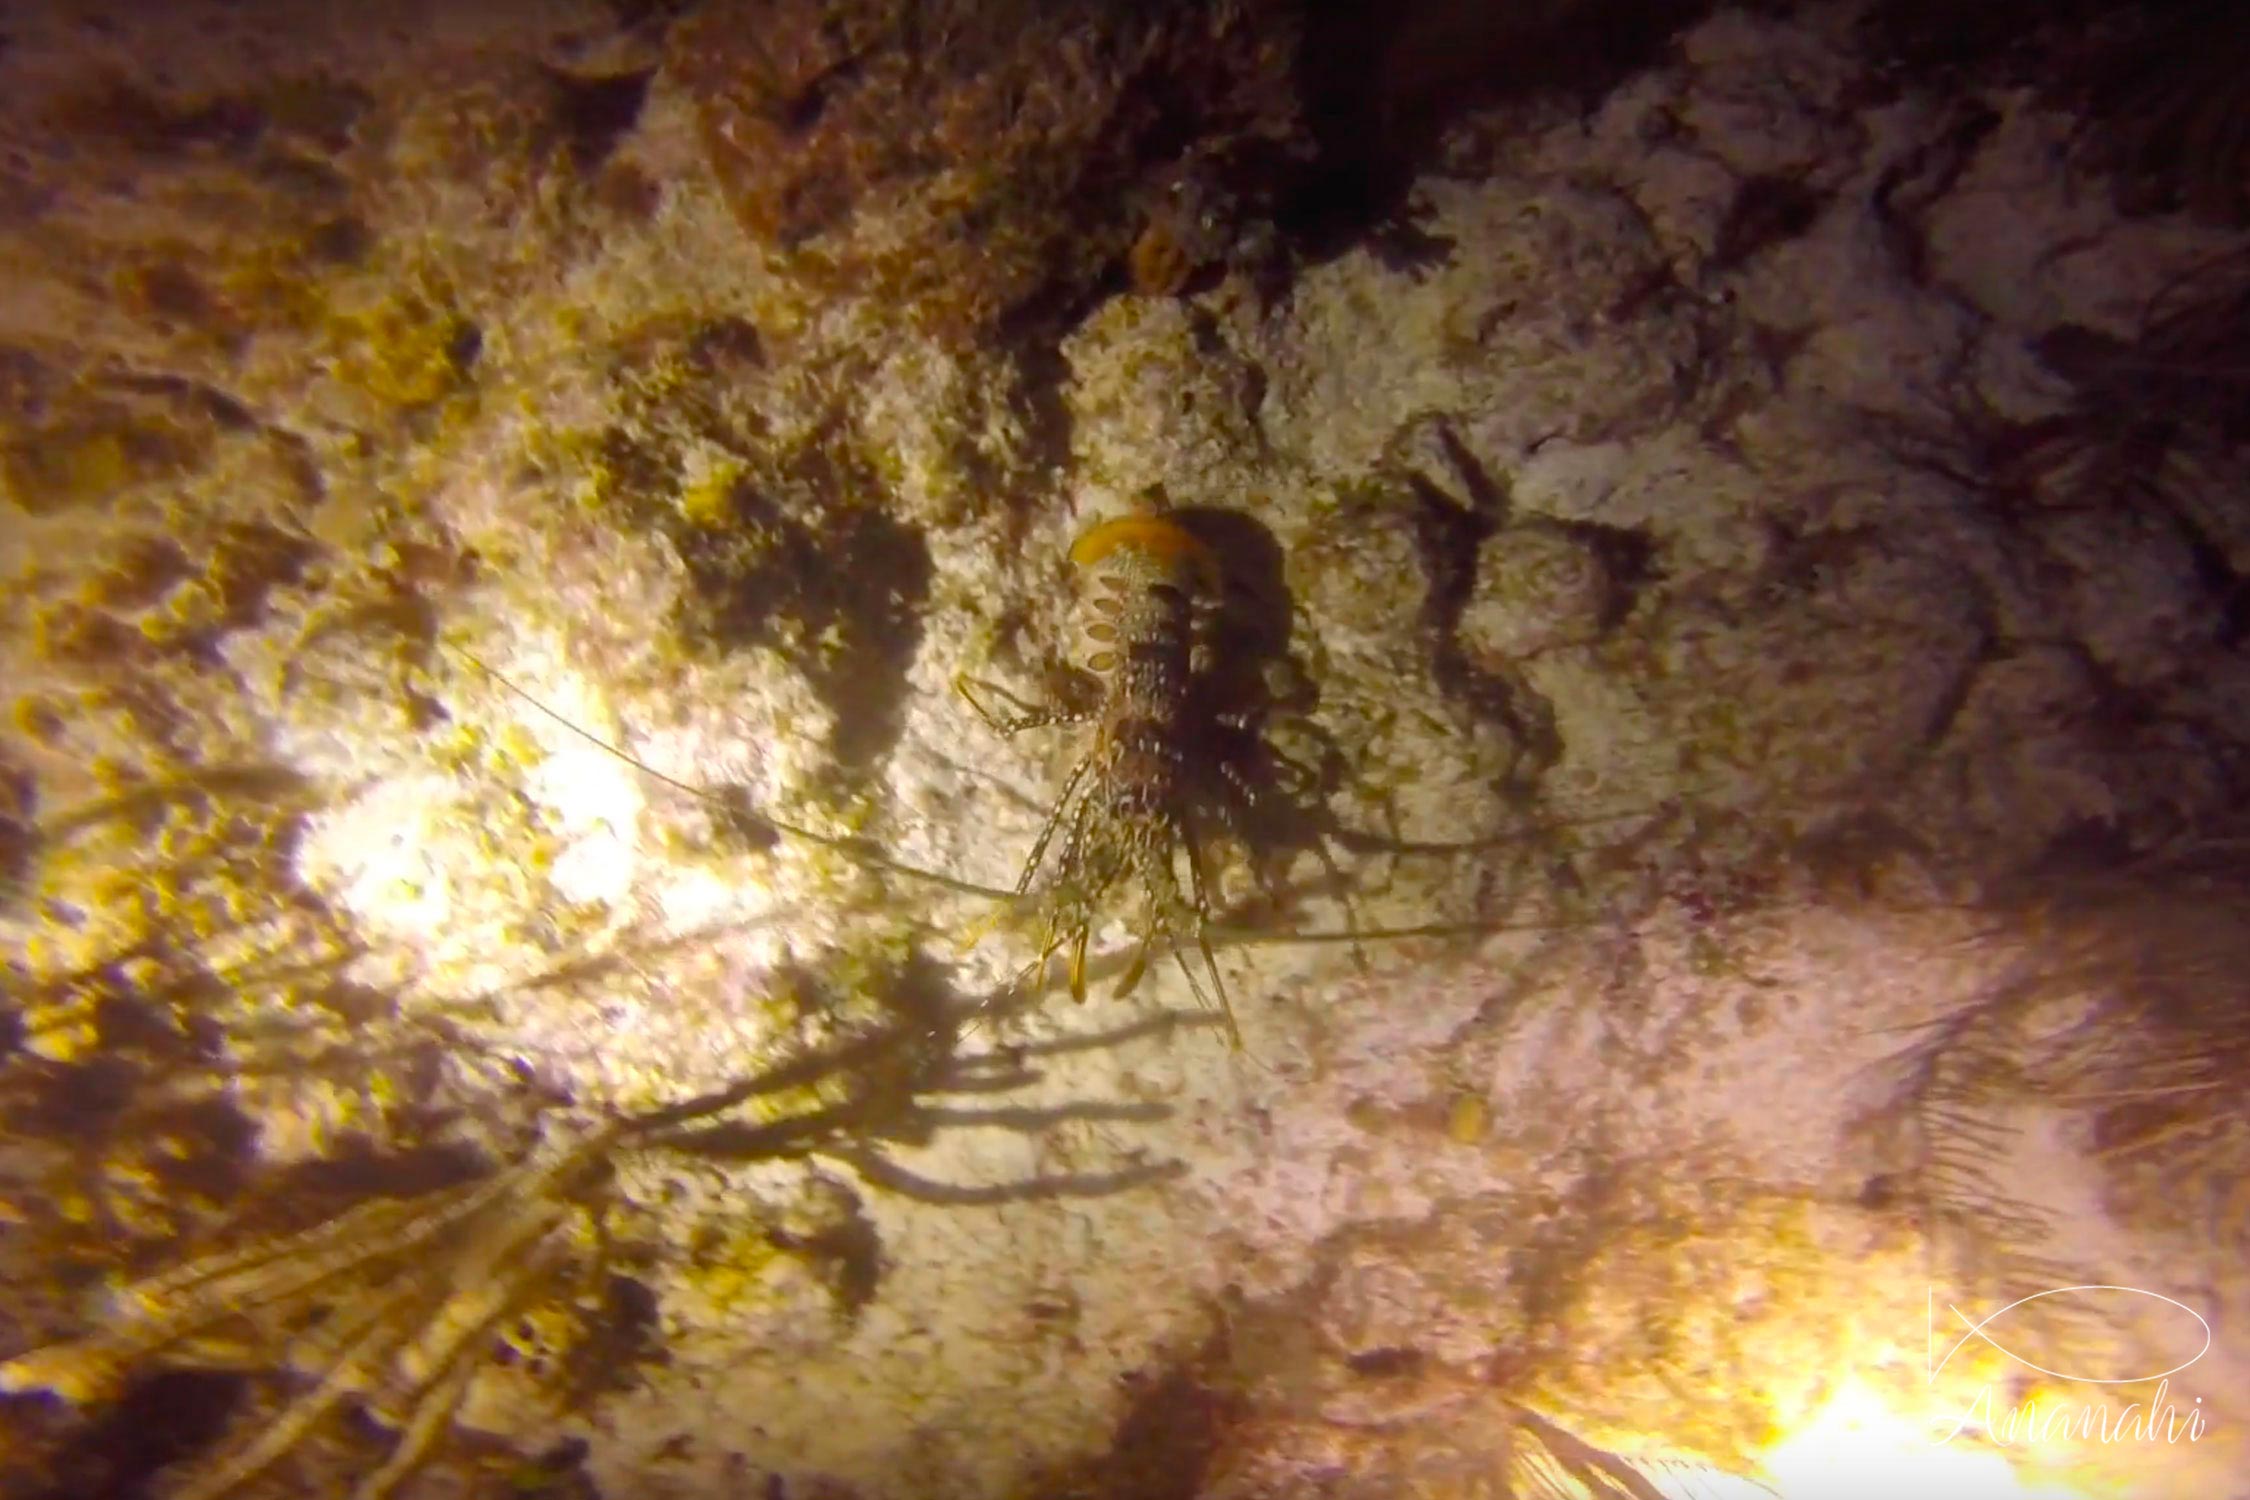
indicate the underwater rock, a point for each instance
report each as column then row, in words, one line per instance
column 1537, row 586
column 1714, row 549
column 968, row 163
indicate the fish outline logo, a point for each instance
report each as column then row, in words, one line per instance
column 1976, row 1329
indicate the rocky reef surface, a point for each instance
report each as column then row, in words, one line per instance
column 1731, row 540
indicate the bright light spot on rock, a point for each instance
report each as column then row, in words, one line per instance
column 1859, row 1448
column 375, row 854
column 694, row 898
column 596, row 806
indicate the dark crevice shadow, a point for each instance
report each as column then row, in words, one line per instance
column 160, row 1420
column 1382, row 83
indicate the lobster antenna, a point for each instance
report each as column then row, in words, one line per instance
column 855, row 850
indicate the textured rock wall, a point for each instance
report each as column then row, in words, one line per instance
column 1735, row 585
